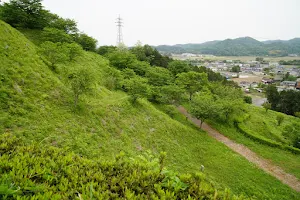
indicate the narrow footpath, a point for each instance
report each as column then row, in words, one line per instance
column 262, row 163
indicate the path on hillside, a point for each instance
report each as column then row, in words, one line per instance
column 262, row 163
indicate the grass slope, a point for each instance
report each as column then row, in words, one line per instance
column 264, row 124
column 36, row 105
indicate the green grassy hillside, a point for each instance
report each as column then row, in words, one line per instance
column 264, row 125
column 36, row 105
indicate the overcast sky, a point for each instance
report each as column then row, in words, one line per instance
column 157, row 22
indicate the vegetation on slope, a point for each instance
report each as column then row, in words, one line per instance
column 40, row 102
column 264, row 125
column 46, row 172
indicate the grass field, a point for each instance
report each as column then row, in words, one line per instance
column 37, row 105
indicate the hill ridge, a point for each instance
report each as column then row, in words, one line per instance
column 242, row 46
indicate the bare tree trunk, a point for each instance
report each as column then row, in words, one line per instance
column 201, row 123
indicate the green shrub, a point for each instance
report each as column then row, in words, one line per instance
column 267, row 106
column 292, row 133
column 248, row 99
column 170, row 110
column 46, row 172
column 279, row 118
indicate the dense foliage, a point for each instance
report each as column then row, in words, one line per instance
column 45, row 172
column 30, row 14
column 24, row 13
column 289, row 62
column 151, row 55
column 287, row 102
column 292, row 133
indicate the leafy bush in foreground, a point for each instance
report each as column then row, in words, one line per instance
column 35, row 172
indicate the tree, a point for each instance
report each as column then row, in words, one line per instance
column 128, row 73
column 289, row 102
column 229, row 99
column 171, row 94
column 259, row 59
column 177, row 67
column 54, row 52
column 56, row 35
column 279, row 119
column 248, row 99
column 236, row 69
column 140, row 52
column 113, row 79
column 81, row 81
column 266, row 106
column 292, row 133
column 272, row 96
column 121, row 59
column 137, row 87
column 229, row 106
column 192, row 82
column 159, row 76
column 69, row 26
column 203, row 107
column 212, row 76
column 140, row 67
column 88, row 43
column 148, row 54
column 74, row 50
column 104, row 50
column 24, row 13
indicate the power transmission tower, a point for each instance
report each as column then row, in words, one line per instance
column 119, row 23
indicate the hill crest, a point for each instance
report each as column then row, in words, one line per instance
column 242, row 46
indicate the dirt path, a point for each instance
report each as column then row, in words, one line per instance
column 264, row 164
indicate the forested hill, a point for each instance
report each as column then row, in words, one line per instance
column 245, row 46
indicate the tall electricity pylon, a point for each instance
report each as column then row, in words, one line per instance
column 119, row 23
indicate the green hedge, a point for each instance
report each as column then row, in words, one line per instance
column 46, row 172
column 262, row 140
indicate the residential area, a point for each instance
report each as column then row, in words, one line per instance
column 253, row 73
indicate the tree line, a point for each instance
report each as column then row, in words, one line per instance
column 141, row 71
column 209, row 94
column 31, row 14
column 287, row 101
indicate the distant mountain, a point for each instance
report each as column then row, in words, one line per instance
column 272, row 41
column 244, row 46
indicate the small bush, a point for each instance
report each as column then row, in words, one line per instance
column 279, row 119
column 170, row 110
column 248, row 99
